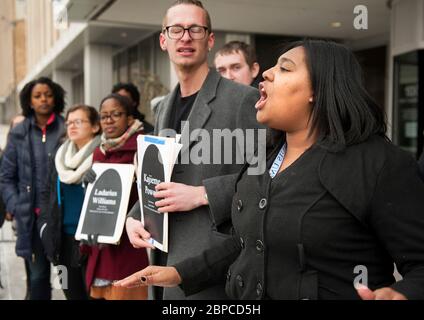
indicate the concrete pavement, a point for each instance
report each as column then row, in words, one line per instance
column 12, row 270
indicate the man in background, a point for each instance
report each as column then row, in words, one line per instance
column 237, row 61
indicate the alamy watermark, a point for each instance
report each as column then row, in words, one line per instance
column 60, row 14
column 222, row 146
column 362, row 276
column 360, row 22
column 60, row 281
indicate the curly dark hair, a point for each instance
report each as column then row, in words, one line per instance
column 58, row 94
column 135, row 96
column 131, row 89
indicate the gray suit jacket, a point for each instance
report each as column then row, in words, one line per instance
column 220, row 104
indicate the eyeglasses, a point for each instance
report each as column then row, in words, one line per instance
column 115, row 116
column 177, row 32
column 77, row 122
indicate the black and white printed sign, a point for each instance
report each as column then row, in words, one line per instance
column 156, row 159
column 106, row 203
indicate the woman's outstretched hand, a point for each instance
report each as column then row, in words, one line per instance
column 151, row 276
column 380, row 294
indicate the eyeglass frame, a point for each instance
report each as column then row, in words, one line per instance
column 166, row 30
column 75, row 122
column 115, row 116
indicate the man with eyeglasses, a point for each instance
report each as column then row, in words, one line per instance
column 196, row 196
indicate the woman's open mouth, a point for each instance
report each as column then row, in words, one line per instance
column 262, row 100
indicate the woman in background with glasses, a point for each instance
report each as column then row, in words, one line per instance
column 59, row 220
column 107, row 263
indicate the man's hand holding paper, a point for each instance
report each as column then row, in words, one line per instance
column 178, row 197
column 138, row 236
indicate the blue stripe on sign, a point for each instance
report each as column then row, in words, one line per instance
column 154, row 140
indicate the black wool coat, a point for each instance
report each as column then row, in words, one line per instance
column 325, row 222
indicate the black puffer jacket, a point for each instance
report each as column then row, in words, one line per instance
column 17, row 177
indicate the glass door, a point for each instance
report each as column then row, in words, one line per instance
column 406, row 111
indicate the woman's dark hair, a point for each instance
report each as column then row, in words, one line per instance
column 91, row 112
column 58, row 95
column 135, row 96
column 343, row 112
column 131, row 89
column 123, row 101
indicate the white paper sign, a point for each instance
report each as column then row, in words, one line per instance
column 106, row 203
column 156, row 159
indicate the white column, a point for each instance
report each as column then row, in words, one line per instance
column 98, row 73
column 64, row 78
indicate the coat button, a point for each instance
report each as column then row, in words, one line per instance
column 28, row 188
column 239, row 205
column 259, row 245
column 259, row 289
column 241, row 242
column 263, row 203
column 240, row 281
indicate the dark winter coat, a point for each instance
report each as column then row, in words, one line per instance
column 49, row 223
column 115, row 262
column 17, row 177
column 327, row 219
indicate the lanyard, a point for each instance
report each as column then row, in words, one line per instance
column 278, row 161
